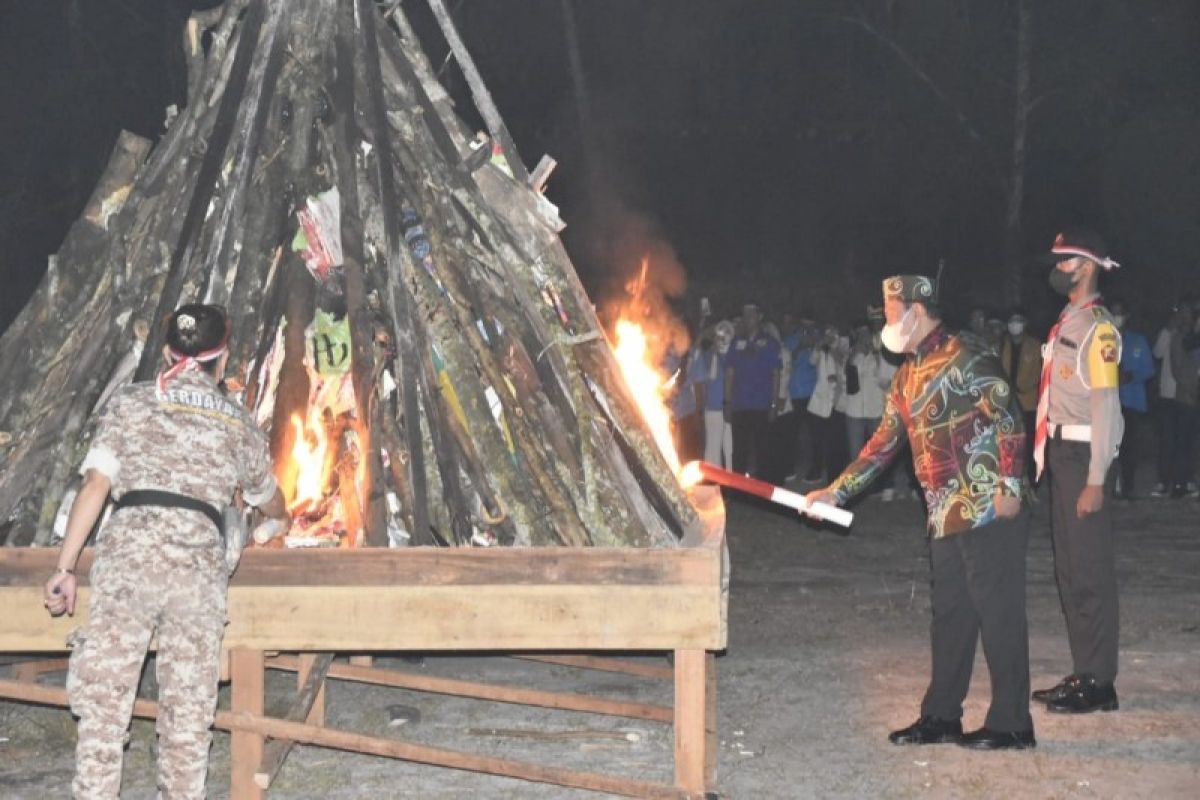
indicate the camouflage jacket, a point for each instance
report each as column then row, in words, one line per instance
column 190, row 440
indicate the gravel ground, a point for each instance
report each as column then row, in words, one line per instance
column 828, row 651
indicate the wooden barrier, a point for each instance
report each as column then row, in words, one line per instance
column 430, row 599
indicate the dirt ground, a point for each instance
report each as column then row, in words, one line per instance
column 828, row 651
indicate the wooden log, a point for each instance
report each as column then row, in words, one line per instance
column 311, row 670
column 205, row 184
column 563, row 377
column 258, row 726
column 562, row 701
column 246, row 697
column 479, row 91
column 397, row 272
column 344, row 146
column 116, row 181
column 226, row 246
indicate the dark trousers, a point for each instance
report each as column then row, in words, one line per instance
column 751, row 442
column 1084, row 564
column 1131, row 450
column 978, row 592
column 786, row 433
column 829, row 445
column 1177, row 434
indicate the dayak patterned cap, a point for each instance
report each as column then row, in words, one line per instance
column 910, row 289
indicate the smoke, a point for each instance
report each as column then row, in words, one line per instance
column 644, row 281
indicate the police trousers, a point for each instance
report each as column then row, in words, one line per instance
column 978, row 592
column 1084, row 563
column 132, row 598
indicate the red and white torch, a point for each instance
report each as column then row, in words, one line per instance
column 695, row 471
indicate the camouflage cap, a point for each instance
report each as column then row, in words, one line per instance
column 910, row 289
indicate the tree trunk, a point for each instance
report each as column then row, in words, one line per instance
column 1013, row 244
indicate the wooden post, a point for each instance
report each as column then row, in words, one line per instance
column 246, row 668
column 311, row 675
column 710, row 721
column 316, row 715
column 691, row 712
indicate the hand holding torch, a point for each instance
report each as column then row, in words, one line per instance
column 695, row 471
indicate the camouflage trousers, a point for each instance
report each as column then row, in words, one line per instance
column 131, row 600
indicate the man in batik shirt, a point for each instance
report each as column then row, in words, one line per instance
column 952, row 402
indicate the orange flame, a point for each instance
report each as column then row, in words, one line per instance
column 309, row 454
column 647, row 385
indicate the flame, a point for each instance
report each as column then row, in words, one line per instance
column 646, row 383
column 690, row 475
column 309, row 451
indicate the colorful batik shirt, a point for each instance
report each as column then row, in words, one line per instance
column 952, row 402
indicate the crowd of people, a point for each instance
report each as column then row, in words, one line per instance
column 792, row 399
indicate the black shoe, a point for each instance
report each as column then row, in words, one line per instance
column 986, row 739
column 1058, row 691
column 928, row 730
column 1086, row 697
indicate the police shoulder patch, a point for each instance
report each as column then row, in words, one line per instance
column 1104, row 354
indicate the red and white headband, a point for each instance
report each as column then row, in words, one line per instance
column 181, row 361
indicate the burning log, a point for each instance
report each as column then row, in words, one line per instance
column 483, row 402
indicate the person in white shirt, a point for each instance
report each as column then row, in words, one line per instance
column 866, row 380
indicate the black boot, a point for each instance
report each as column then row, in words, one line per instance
column 1085, row 697
column 1058, row 691
column 928, row 730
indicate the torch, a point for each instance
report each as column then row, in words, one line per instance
column 695, row 471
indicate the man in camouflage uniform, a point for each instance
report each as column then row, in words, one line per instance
column 170, row 453
column 1079, row 428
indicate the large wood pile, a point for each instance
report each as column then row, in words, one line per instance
column 483, row 399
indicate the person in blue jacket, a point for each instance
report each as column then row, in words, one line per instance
column 1137, row 368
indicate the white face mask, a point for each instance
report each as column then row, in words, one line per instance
column 1016, row 328
column 1120, row 320
column 894, row 337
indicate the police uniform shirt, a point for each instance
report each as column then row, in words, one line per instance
column 1085, row 379
column 189, row 439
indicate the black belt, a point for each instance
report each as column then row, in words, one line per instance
column 156, row 497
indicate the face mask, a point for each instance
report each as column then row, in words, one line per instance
column 1062, row 282
column 893, row 336
column 1016, row 328
column 1120, row 320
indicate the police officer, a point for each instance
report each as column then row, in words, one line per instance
column 170, row 453
column 1079, row 429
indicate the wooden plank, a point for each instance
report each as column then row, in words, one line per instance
column 619, row 665
column 30, row 670
column 425, row 566
column 562, row 701
column 247, row 697
column 311, row 671
column 258, row 726
column 691, row 711
column 494, row 617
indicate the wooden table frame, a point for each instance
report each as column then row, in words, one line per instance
column 508, row 600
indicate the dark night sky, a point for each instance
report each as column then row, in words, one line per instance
column 796, row 150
